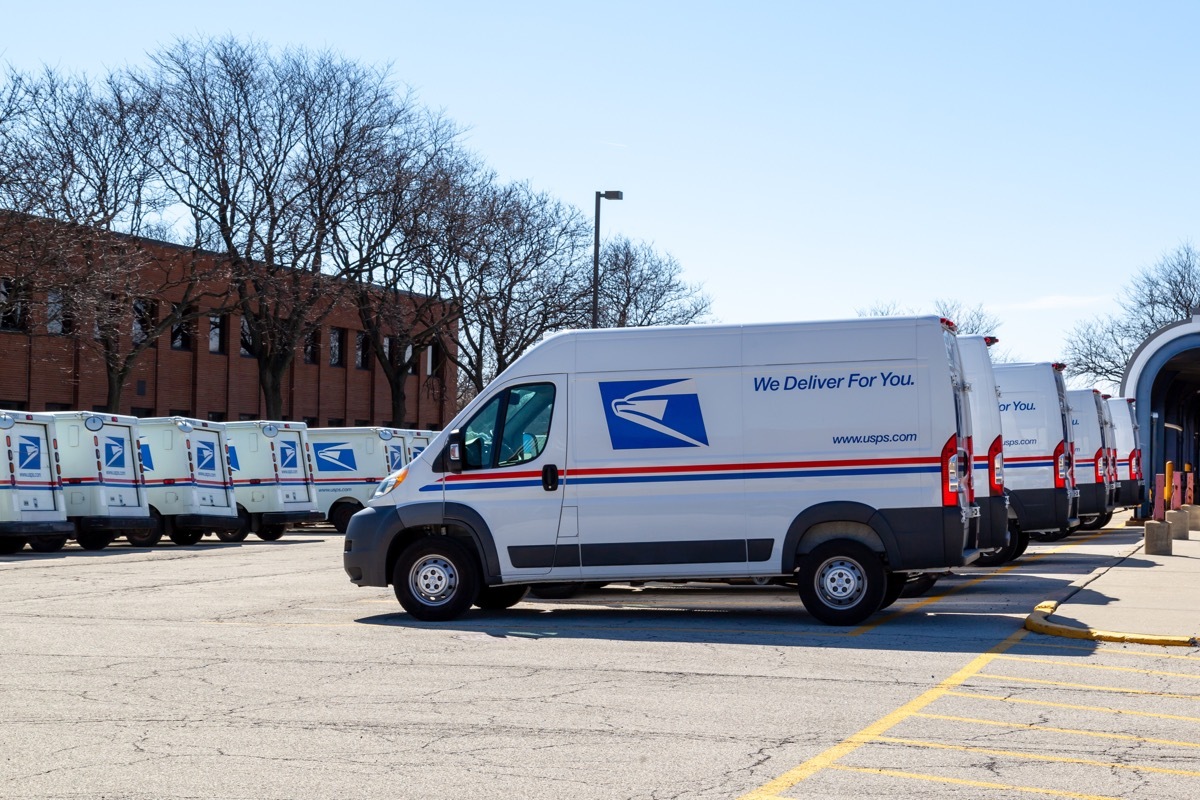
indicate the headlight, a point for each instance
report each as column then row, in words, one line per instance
column 391, row 482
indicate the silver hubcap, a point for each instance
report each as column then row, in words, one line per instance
column 434, row 580
column 840, row 582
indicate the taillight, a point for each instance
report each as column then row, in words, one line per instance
column 1101, row 465
column 970, row 470
column 996, row 467
column 1113, row 460
column 950, row 473
column 1135, row 465
column 1061, row 465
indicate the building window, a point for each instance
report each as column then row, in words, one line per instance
column 143, row 322
column 58, row 320
column 216, row 416
column 217, row 334
column 13, row 305
column 58, row 406
column 335, row 422
column 362, row 350
column 362, row 423
column 141, row 412
column 310, row 421
column 247, row 341
column 337, row 347
column 180, row 412
column 434, row 358
column 312, row 346
column 14, row 405
column 244, row 416
column 182, row 332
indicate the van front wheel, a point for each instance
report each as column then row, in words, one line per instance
column 842, row 582
column 436, row 579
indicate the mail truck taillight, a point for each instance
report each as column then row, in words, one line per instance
column 1101, row 465
column 996, row 467
column 1135, row 465
column 1061, row 465
column 950, row 473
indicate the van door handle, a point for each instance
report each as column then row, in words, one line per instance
column 550, row 478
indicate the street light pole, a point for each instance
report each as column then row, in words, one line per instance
column 609, row 195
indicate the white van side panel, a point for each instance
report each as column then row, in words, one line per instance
column 1088, row 434
column 1032, row 423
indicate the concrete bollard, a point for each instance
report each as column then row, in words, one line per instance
column 1158, row 538
column 1177, row 523
column 1193, row 513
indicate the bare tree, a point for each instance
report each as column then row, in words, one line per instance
column 1158, row 295
column 519, row 277
column 82, row 164
column 967, row 320
column 640, row 286
column 265, row 151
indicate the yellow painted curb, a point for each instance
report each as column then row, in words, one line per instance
column 1038, row 623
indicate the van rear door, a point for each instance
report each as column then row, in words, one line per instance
column 295, row 484
column 208, row 460
column 118, row 466
column 33, row 467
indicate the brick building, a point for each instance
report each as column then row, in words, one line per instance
column 199, row 369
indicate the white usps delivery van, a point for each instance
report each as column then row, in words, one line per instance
column 348, row 463
column 101, row 476
column 1091, row 429
column 31, row 501
column 988, row 446
column 272, row 478
column 186, row 472
column 1038, row 453
column 1128, row 455
column 834, row 452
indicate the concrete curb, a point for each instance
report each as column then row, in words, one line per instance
column 1038, row 623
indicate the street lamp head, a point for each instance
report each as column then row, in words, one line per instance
column 611, row 195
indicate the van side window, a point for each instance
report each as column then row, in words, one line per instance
column 511, row 429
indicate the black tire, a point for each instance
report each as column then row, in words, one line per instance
column 1004, row 554
column 1095, row 523
column 148, row 537
column 236, row 535
column 920, row 585
column 47, row 544
column 271, row 533
column 495, row 598
column 436, row 579
column 11, row 544
column 555, row 591
column 94, row 540
column 1022, row 541
column 896, row 582
column 186, row 538
column 340, row 515
column 842, row 582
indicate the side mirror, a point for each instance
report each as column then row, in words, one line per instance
column 454, row 451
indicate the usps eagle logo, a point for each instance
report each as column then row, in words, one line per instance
column 147, row 458
column 29, row 452
column 287, row 455
column 644, row 415
column 114, row 453
column 206, row 456
column 335, row 457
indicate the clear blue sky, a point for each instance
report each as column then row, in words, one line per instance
column 799, row 159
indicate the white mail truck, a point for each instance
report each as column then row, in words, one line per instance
column 1091, row 427
column 186, row 473
column 32, row 509
column 272, row 478
column 348, row 463
column 101, row 476
column 1038, row 451
column 995, row 539
column 1128, row 455
column 836, row 453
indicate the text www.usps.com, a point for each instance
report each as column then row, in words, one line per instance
column 875, row 438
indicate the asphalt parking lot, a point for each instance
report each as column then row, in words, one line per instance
column 259, row 671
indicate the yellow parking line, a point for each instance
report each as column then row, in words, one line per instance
column 1062, row 663
column 1087, row 762
column 1072, row 706
column 872, row 732
column 1032, row 726
column 895, row 773
column 1087, row 686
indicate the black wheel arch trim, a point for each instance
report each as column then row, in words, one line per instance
column 462, row 516
column 837, row 511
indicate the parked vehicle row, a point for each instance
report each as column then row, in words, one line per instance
column 854, row 457
column 97, row 477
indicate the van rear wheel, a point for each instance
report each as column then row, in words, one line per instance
column 10, row 545
column 436, row 579
column 842, row 582
column 186, row 538
column 271, row 533
column 94, row 540
column 340, row 515
column 47, row 544
column 146, row 538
